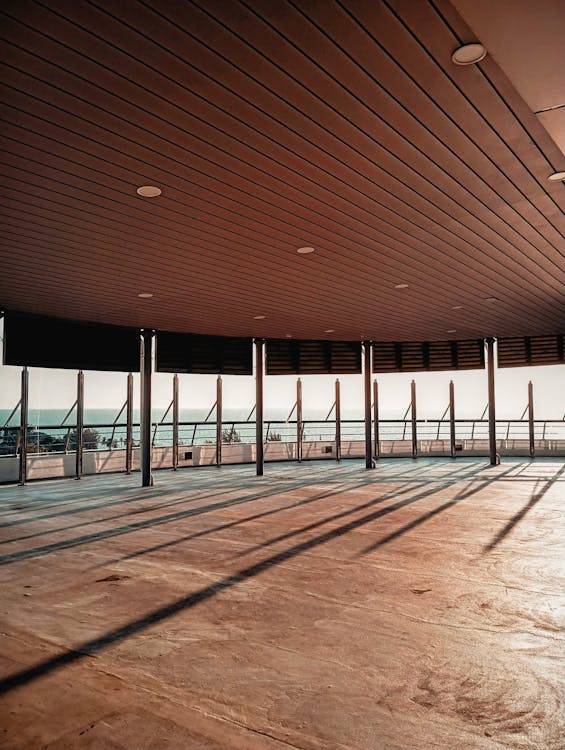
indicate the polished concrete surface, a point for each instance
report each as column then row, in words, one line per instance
column 420, row 605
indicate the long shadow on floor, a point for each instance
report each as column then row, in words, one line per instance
column 180, row 605
column 536, row 497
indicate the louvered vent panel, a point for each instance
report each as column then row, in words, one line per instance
column 534, row 350
column 194, row 353
column 312, row 357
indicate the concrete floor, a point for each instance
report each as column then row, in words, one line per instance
column 420, row 605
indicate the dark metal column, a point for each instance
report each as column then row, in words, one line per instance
column 452, row 418
column 219, row 421
column 413, row 417
column 367, row 372
column 80, row 425
column 129, row 424
column 145, row 426
column 299, row 420
column 376, row 447
column 259, row 357
column 24, row 408
column 175, row 422
column 494, row 460
column 337, row 421
column 531, row 419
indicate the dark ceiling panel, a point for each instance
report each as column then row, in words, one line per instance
column 193, row 353
column 36, row 341
column 270, row 126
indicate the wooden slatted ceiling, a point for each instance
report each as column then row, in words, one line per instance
column 269, row 126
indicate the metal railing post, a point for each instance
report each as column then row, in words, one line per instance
column 452, row 418
column 145, row 426
column 337, row 421
column 376, row 446
column 367, row 373
column 219, row 421
column 129, row 424
column 413, row 417
column 175, row 422
column 299, row 420
column 79, row 433
column 531, row 419
column 24, row 408
column 491, row 404
column 259, row 368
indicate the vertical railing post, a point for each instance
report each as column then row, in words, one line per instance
column 531, row 419
column 219, row 421
column 24, row 409
column 259, row 367
column 79, row 433
column 452, row 419
column 175, row 422
column 129, row 424
column 337, row 421
column 145, row 426
column 413, row 418
column 491, row 404
column 299, row 420
column 376, row 447
column 367, row 373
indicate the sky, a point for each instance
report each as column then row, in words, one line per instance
column 56, row 389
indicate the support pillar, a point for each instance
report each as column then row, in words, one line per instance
column 531, row 419
column 452, row 419
column 129, row 424
column 219, row 421
column 259, row 369
column 376, row 447
column 494, row 459
column 80, row 425
column 299, row 420
column 24, row 408
column 145, row 426
column 337, row 421
column 413, row 418
column 175, row 422
column 367, row 372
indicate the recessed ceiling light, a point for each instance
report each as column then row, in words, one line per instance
column 457, row 307
column 145, row 295
column 452, row 330
column 259, row 317
column 148, row 191
column 305, row 250
column 492, row 299
column 288, row 335
column 557, row 177
column 401, row 286
column 469, row 54
column 330, row 330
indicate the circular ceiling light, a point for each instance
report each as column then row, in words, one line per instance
column 457, row 307
column 557, row 177
column 148, row 191
column 305, row 250
column 330, row 330
column 288, row 335
column 401, row 286
column 145, row 295
column 469, row 54
column 492, row 299
column 452, row 330
column 259, row 317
